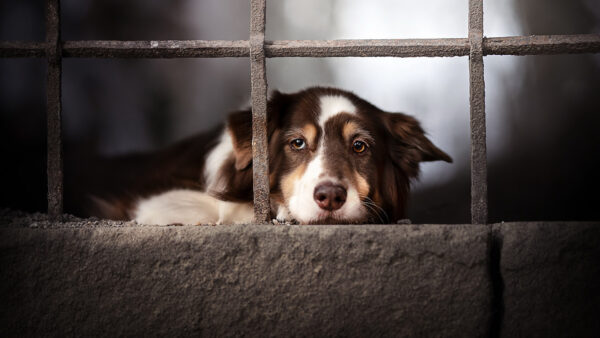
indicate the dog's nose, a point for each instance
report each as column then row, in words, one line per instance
column 330, row 196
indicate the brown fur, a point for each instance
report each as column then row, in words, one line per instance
column 382, row 174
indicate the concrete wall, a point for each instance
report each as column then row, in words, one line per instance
column 106, row 278
column 551, row 276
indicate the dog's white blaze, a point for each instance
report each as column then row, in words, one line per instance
column 302, row 205
column 333, row 105
column 190, row 207
column 214, row 161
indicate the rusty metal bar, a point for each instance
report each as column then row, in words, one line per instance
column 479, row 206
column 260, row 152
column 362, row 48
column 157, row 49
column 53, row 97
column 20, row 49
column 542, row 44
column 512, row 45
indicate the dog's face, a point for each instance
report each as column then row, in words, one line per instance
column 335, row 158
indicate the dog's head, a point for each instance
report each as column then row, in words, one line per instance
column 336, row 158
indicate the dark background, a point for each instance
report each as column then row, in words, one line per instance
column 543, row 118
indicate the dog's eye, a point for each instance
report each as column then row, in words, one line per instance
column 298, row 144
column 359, row 146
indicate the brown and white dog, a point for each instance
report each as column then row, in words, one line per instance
column 333, row 158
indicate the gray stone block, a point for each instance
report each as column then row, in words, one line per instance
column 363, row 280
column 551, row 275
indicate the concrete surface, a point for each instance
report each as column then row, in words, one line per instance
column 551, row 275
column 91, row 277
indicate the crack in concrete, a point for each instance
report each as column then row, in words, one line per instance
column 495, row 243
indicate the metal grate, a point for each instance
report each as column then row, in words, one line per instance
column 257, row 48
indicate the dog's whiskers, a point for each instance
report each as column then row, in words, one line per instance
column 374, row 208
column 373, row 212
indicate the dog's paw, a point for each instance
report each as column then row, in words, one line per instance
column 277, row 221
column 283, row 215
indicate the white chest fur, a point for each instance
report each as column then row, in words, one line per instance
column 191, row 207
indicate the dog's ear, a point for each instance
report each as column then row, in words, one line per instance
column 409, row 146
column 239, row 125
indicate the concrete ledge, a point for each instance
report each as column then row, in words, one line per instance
column 551, row 275
column 92, row 277
column 392, row 280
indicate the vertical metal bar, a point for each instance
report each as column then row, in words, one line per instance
column 53, row 101
column 479, row 207
column 260, row 153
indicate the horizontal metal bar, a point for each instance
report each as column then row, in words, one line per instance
column 361, row 48
column 241, row 48
column 542, row 44
column 20, row 49
column 131, row 49
column 513, row 45
column 157, row 49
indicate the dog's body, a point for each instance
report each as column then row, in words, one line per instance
column 333, row 158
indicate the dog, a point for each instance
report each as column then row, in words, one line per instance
column 334, row 158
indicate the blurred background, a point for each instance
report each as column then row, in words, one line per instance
column 543, row 112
